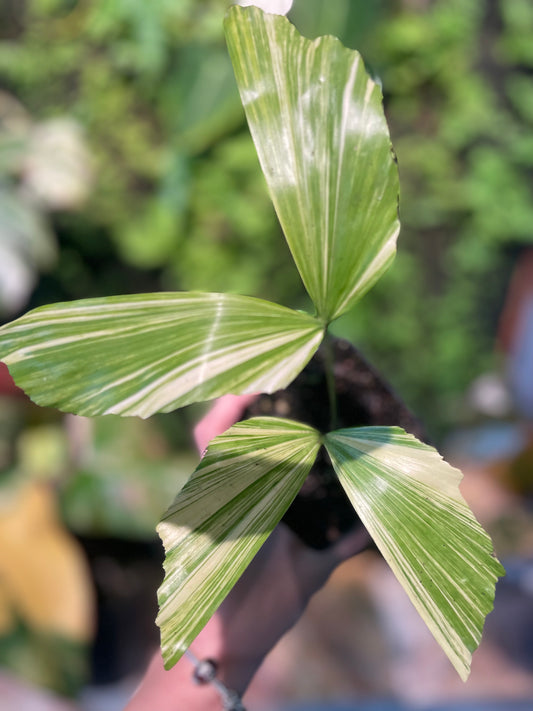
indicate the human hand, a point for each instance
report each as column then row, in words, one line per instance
column 271, row 596
column 265, row 603
column 276, row 587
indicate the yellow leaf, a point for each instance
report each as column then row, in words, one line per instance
column 44, row 578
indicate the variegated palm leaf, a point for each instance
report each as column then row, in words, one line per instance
column 136, row 355
column 318, row 125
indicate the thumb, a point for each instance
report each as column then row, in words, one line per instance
column 313, row 567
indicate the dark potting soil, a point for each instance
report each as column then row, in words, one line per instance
column 322, row 512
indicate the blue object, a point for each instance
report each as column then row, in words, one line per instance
column 391, row 705
column 521, row 361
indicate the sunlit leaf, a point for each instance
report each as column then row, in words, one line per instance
column 239, row 492
column 136, row 355
column 409, row 500
column 318, row 125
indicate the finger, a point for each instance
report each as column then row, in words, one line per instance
column 315, row 567
column 351, row 544
column 225, row 412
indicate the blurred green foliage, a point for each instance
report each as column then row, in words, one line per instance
column 179, row 196
column 44, row 660
column 107, row 478
column 458, row 90
column 178, row 200
column 125, row 476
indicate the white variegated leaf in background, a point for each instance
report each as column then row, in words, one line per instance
column 136, row 355
column 317, row 122
column 408, row 498
column 238, row 493
column 275, row 7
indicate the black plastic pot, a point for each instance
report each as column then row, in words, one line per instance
column 321, row 512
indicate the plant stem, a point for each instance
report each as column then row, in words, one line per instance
column 330, row 381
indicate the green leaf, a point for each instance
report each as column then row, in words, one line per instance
column 136, row 355
column 317, row 122
column 409, row 500
column 239, row 492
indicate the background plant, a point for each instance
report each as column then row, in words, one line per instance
column 182, row 169
column 323, row 144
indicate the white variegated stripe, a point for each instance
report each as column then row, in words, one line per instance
column 318, row 126
column 199, row 372
column 372, row 272
column 155, row 352
column 409, row 500
column 240, row 490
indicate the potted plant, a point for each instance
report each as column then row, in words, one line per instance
column 317, row 122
